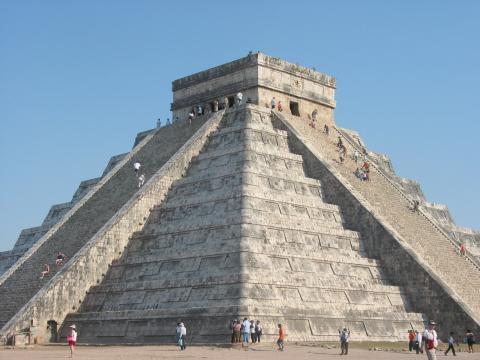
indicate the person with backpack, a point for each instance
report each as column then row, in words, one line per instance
column 470, row 340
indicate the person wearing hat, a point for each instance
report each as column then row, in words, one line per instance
column 72, row 338
column 431, row 341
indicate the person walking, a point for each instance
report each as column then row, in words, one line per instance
column 258, row 330
column 245, row 331
column 463, row 249
column 451, row 341
column 431, row 341
column 182, row 336
column 470, row 340
column 281, row 338
column 344, row 339
column 72, row 338
column 141, row 180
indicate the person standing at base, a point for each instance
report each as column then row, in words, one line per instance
column 72, row 338
column 258, row 330
column 431, row 341
column 451, row 341
column 245, row 331
column 418, row 342
column 411, row 339
column 182, row 341
column 344, row 339
column 470, row 340
column 253, row 336
column 281, row 338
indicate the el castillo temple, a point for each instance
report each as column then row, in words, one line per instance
column 245, row 212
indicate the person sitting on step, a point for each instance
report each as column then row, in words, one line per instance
column 46, row 271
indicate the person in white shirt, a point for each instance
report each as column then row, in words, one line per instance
column 239, row 98
column 431, row 341
column 245, row 331
column 136, row 167
column 419, row 344
column 181, row 335
column 141, row 180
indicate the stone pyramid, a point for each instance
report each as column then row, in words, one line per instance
column 246, row 213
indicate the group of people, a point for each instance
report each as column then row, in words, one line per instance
column 274, row 105
column 427, row 341
column 60, row 259
column 245, row 331
column 216, row 105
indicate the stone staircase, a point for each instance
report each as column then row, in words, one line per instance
column 439, row 252
column 21, row 290
column 244, row 233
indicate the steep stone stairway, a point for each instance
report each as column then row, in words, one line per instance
column 21, row 282
column 244, row 233
column 428, row 241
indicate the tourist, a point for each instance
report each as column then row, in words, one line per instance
column 232, row 327
column 141, row 180
column 60, row 258
column 199, row 110
column 239, row 98
column 191, row 116
column 136, row 167
column 339, row 143
column 431, row 341
column 168, row 122
column 356, row 156
column 418, row 342
column 344, row 339
column 470, row 340
column 72, row 338
column 225, row 103
column 279, row 106
column 415, row 205
column 314, row 116
column 463, row 249
column 281, row 338
column 451, row 341
column 245, row 331
column 273, row 103
column 46, row 271
column 215, row 105
column 252, row 332
column 178, row 332
column 326, row 129
column 182, row 336
column 258, row 330
column 159, row 123
column 238, row 332
column 411, row 339
column 342, row 152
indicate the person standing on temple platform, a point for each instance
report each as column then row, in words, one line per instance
column 159, row 123
column 239, row 98
column 225, row 103
column 215, row 105
column 273, row 103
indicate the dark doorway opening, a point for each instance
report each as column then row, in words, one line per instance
column 52, row 325
column 231, row 101
column 294, row 108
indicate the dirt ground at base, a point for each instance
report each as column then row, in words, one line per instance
column 262, row 351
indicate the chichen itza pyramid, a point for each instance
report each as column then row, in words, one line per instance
column 245, row 212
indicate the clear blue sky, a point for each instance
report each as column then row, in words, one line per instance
column 78, row 80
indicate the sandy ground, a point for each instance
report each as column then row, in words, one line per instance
column 264, row 351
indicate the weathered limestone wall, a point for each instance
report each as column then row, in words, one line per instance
column 424, row 289
column 66, row 290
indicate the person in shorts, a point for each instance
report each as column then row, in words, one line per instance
column 72, row 338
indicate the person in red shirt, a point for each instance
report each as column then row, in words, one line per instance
column 411, row 339
column 281, row 337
